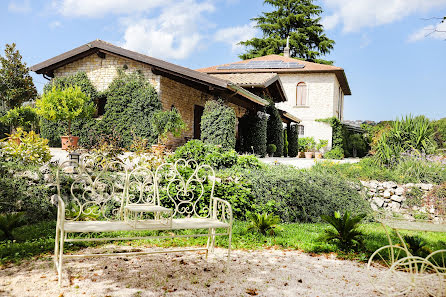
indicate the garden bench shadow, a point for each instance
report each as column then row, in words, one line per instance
column 95, row 197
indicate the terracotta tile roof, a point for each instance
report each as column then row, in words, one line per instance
column 308, row 67
column 249, row 79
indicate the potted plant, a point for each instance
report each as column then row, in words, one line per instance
column 309, row 147
column 23, row 117
column 65, row 105
column 319, row 146
column 165, row 122
column 271, row 149
column 301, row 143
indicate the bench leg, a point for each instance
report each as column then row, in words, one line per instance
column 212, row 240
column 208, row 243
column 229, row 249
column 62, row 240
column 56, row 248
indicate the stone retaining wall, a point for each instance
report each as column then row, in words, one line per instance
column 391, row 196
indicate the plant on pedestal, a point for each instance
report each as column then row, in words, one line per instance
column 319, row 146
column 65, row 105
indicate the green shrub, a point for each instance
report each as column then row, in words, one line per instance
column 357, row 145
column 405, row 134
column 307, row 144
column 264, row 224
column 440, row 132
column 297, row 195
column 131, row 103
column 336, row 153
column 271, row 149
column 32, row 149
column 345, row 233
column 414, row 197
column 24, row 117
column 419, row 170
column 274, row 132
column 285, row 143
column 252, row 133
column 23, row 189
column 293, row 139
column 165, row 122
column 218, row 124
column 437, row 198
column 9, row 222
column 248, row 161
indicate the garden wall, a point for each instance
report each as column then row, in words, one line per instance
column 392, row 196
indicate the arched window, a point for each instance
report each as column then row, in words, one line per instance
column 301, row 94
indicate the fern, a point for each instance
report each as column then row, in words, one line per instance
column 345, row 232
column 265, row 224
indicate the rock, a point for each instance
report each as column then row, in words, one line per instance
column 386, row 194
column 45, row 169
column 399, row 191
column 432, row 209
column 426, row 187
column 378, row 201
column 396, row 198
column 374, row 206
column 364, row 183
column 29, row 175
column 47, row 178
column 409, row 185
column 395, row 206
column 68, row 169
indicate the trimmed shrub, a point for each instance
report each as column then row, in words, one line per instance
column 218, row 124
column 274, row 134
column 293, row 140
column 271, row 149
column 252, row 132
column 302, row 196
column 285, row 143
column 131, row 103
column 440, row 132
column 24, row 117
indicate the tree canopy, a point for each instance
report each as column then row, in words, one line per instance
column 16, row 85
column 298, row 19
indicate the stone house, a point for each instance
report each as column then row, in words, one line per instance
column 185, row 89
column 313, row 91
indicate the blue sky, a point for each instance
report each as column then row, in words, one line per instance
column 392, row 67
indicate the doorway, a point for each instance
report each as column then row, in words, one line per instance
column 198, row 113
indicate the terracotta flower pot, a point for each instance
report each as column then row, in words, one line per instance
column 301, row 155
column 308, row 155
column 158, row 149
column 69, row 142
column 318, row 155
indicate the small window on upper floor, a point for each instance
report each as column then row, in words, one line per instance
column 300, row 130
column 301, row 94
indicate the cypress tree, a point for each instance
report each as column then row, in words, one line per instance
column 274, row 129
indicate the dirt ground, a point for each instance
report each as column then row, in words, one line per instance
column 267, row 272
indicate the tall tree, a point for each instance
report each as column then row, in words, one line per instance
column 298, row 19
column 16, row 85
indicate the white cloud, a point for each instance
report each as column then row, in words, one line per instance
column 55, row 24
column 233, row 35
column 175, row 33
column 99, row 8
column 357, row 14
column 436, row 32
column 19, row 6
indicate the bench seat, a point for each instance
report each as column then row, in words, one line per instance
column 111, row 226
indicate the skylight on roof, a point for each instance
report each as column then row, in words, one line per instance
column 262, row 65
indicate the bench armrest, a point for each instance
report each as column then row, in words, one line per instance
column 222, row 210
column 60, row 210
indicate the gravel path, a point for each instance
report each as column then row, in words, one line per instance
column 267, row 272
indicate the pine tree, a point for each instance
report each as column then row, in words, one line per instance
column 298, row 19
column 16, row 85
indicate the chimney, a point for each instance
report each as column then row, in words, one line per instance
column 286, row 50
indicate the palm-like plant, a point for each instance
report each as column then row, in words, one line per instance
column 9, row 222
column 345, row 232
column 266, row 224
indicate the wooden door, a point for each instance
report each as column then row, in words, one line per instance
column 198, row 113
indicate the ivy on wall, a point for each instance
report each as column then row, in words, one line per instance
column 218, row 124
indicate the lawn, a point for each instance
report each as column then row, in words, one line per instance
column 38, row 240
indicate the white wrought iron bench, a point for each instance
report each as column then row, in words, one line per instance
column 177, row 196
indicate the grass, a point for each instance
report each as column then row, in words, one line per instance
column 38, row 240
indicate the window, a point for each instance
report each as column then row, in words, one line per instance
column 301, row 94
column 300, row 130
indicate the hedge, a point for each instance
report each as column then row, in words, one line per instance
column 293, row 140
column 274, row 129
column 252, row 133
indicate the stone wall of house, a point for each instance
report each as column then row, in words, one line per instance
column 184, row 98
column 392, row 196
column 320, row 96
column 101, row 71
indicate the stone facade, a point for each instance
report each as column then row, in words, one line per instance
column 101, row 72
column 322, row 101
